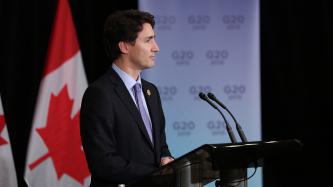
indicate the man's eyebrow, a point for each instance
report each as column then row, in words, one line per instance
column 150, row 37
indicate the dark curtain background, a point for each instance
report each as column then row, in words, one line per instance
column 296, row 48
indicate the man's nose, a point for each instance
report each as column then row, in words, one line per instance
column 155, row 47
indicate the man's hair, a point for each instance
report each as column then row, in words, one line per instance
column 123, row 26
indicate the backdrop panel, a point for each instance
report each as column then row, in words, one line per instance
column 207, row 46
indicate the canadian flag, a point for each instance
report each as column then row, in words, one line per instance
column 7, row 168
column 55, row 155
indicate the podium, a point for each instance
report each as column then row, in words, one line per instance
column 226, row 163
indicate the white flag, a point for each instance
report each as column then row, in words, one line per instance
column 55, row 155
column 7, row 168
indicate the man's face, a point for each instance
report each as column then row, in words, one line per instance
column 142, row 53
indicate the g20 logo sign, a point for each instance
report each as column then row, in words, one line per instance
column 198, row 19
column 182, row 57
column 233, row 21
column 167, row 93
column 195, row 90
column 165, row 22
column 216, row 127
column 234, row 91
column 198, row 22
column 183, row 128
column 217, row 57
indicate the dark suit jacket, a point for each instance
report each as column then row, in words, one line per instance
column 114, row 138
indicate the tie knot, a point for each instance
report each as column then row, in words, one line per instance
column 137, row 87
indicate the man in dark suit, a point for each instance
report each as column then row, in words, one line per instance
column 122, row 121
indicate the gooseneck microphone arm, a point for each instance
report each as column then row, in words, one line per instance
column 229, row 129
column 238, row 126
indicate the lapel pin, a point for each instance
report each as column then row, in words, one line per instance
column 148, row 92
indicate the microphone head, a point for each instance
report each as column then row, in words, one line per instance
column 205, row 98
column 202, row 96
column 210, row 95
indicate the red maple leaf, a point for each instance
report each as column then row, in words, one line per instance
column 62, row 138
column 2, row 126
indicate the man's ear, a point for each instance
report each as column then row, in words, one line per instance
column 123, row 46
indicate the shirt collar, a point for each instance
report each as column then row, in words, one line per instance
column 126, row 78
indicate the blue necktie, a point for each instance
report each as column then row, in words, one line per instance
column 144, row 115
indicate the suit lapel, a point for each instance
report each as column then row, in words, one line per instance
column 150, row 96
column 126, row 98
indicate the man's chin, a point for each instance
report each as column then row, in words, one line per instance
column 150, row 65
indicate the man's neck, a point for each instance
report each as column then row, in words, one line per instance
column 123, row 65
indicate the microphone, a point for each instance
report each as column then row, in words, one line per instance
column 229, row 129
column 238, row 127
